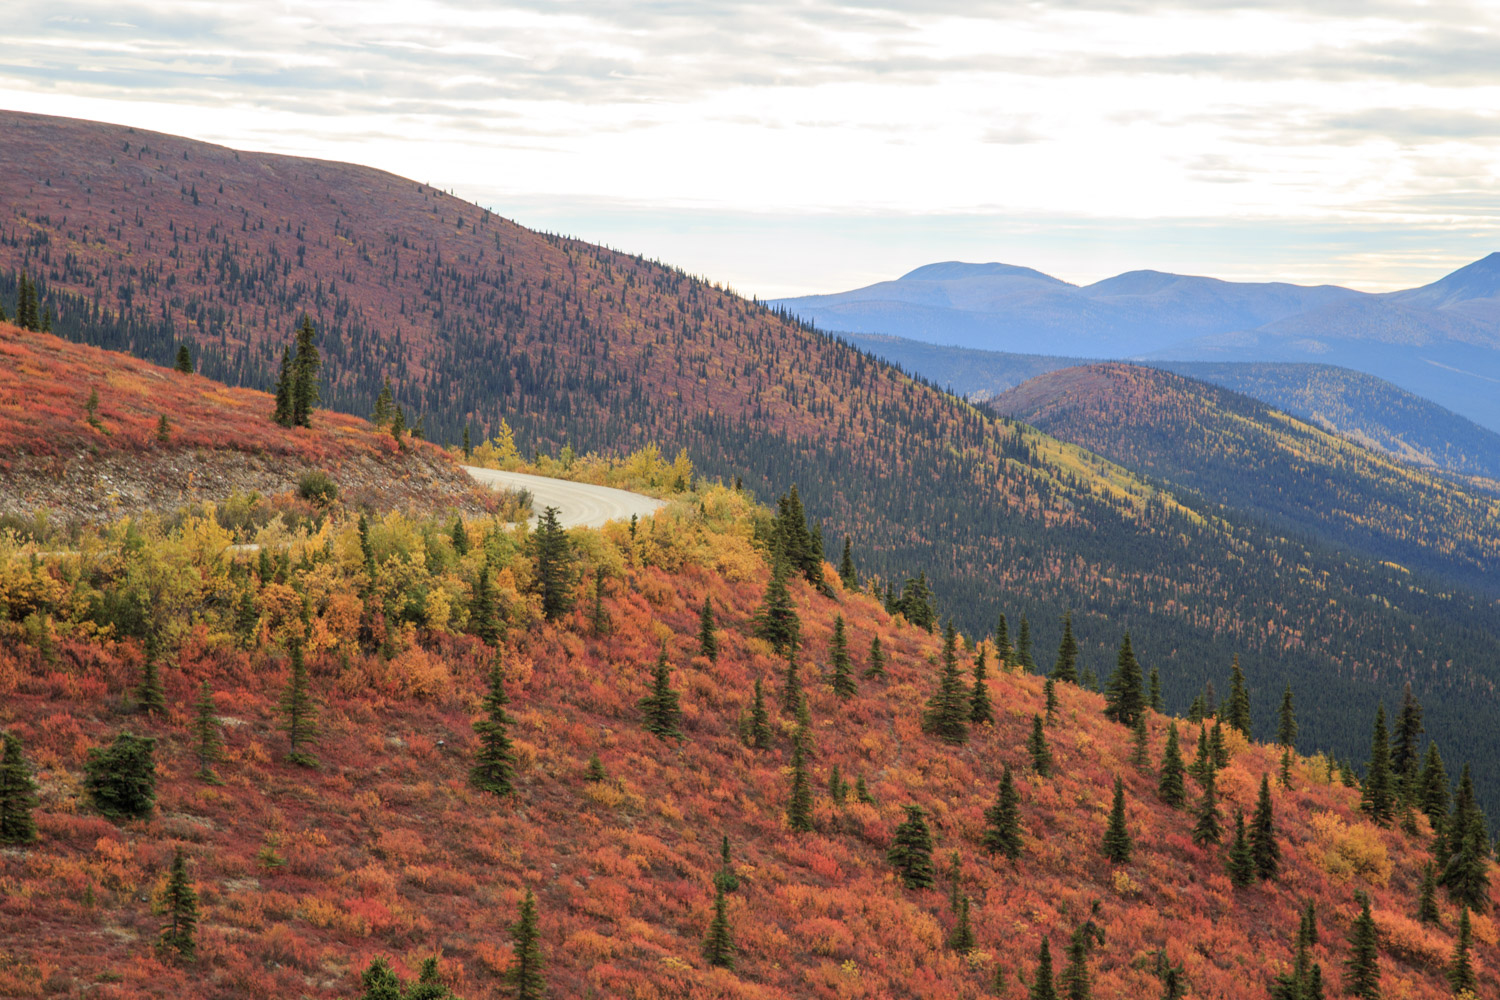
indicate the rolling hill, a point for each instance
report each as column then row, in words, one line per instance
column 142, row 241
column 1441, row 341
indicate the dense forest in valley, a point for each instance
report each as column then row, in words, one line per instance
column 142, row 242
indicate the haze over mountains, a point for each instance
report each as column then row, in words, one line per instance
column 1441, row 341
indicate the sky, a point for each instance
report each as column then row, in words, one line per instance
column 794, row 146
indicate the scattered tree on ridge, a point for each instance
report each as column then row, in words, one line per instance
column 1376, row 797
column 910, row 852
column 494, row 769
column 708, row 632
column 206, row 734
column 1237, row 705
column 1169, row 786
column 1042, row 987
column 1240, row 862
column 1286, row 729
column 947, row 710
column 184, row 362
column 1036, row 745
column 180, row 931
column 1362, row 967
column 842, row 679
column 876, row 666
column 1117, row 842
column 980, row 710
column 799, row 805
column 1208, row 830
column 525, row 971
column 1125, row 701
column 1002, row 832
column 298, row 711
column 121, row 778
column 17, row 795
column 1263, row 846
column 661, row 715
column 776, row 620
column 1066, row 667
column 718, row 946
column 552, row 559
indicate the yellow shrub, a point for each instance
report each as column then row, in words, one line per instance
column 1349, row 852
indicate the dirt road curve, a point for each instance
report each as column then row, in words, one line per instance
column 578, row 504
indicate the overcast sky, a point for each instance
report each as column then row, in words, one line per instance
column 790, row 146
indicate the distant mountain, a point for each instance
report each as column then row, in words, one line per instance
column 1366, row 409
column 1237, row 452
column 1441, row 341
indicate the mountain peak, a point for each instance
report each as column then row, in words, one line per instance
column 953, row 270
column 1479, row 280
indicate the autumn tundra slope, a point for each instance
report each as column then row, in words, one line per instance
column 380, row 743
column 142, row 241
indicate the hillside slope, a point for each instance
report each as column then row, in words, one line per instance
column 384, row 849
column 141, row 240
column 219, row 441
column 1240, row 453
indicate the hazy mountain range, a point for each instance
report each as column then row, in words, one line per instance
column 1441, row 341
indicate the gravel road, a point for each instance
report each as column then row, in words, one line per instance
column 578, row 504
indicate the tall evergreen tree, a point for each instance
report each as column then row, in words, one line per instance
column 285, row 407
column 385, row 405
column 799, row 805
column 846, row 567
column 1117, row 842
column 1066, row 667
column 842, row 678
column 206, row 734
column 911, row 850
column 1076, row 981
column 1140, row 746
column 980, row 710
column 184, row 360
column 305, row 395
column 1286, row 727
column 1264, row 847
column 1042, row 985
column 494, row 769
column 947, row 710
column 1362, row 967
column 1003, row 651
column 598, row 614
column 1126, row 700
column 1208, row 829
column 484, row 621
column 179, row 933
column 149, row 693
column 1376, row 797
column 1466, row 869
column 961, row 939
column 1049, row 698
column 1002, row 831
column 458, row 534
column 1036, row 745
column 876, row 667
column 552, row 565
column 1169, row 785
column 1240, row 863
column 718, row 945
column 776, row 620
column 17, row 795
column 1204, row 761
column 1155, row 697
column 1023, row 645
column 1305, row 979
column 524, row 975
column 298, row 710
column 1461, row 967
column 725, row 878
column 760, row 723
column 1237, row 707
column 1432, row 795
column 661, row 715
column 791, row 687
column 1405, row 766
column 1427, row 908
column 1218, row 749
column 708, row 632
column 121, row 778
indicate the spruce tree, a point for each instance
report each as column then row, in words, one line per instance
column 842, row 678
column 283, row 413
column 708, row 632
column 483, row 618
column 1405, row 766
column 1362, row 967
column 1466, row 872
column 1117, row 842
column 206, row 734
column 468, row 444
column 1237, row 707
column 1140, row 746
column 17, row 795
column 1208, row 830
column 593, row 771
column 718, row 946
column 862, row 791
column 246, row 619
column 385, row 405
column 1461, row 967
column 524, row 975
column 980, row 711
column 910, row 852
column 1376, row 797
column 1155, row 697
column 298, row 710
column 184, row 359
column 1002, row 831
column 1049, row 698
column 1023, row 645
column 961, row 939
column 837, row 788
column 180, row 931
column 1218, row 749
column 947, row 710
column 494, row 769
column 1286, row 768
column 458, row 534
column 163, row 429
column 876, row 667
column 1286, row 728
column 725, row 878
column 1240, row 863
column 149, row 694
column 1076, row 981
column 791, row 685
column 1036, row 745
column 305, row 396
column 1427, row 908
column 760, row 722
column 552, row 566
column 776, row 620
column 598, row 615
column 1264, row 848
column 1204, row 761
column 846, row 567
column 799, row 806
column 661, row 716
column 1066, row 667
column 1003, row 651
column 1169, row 785
column 1042, row 986
column 121, row 778
column 1432, row 794
column 1126, row 701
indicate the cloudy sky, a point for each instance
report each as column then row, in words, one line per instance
column 790, row 146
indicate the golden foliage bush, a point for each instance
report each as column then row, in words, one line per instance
column 1348, row 852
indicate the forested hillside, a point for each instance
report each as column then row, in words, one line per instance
column 1239, row 453
column 143, row 241
column 577, row 763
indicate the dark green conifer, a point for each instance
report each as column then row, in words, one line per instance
column 1218, row 749
column 760, row 721
column 799, row 806
column 1076, row 981
column 1204, row 761
column 598, row 615
column 948, row 709
column 877, row 659
column 1066, row 667
column 594, row 772
column 776, row 620
column 846, row 567
column 1466, row 870
column 184, row 359
column 911, row 850
column 1023, row 645
column 980, row 711
column 842, row 678
column 494, row 769
column 298, row 710
column 1208, row 829
column 179, row 933
column 1003, row 651
column 1036, row 746
column 961, row 939
column 1237, row 706
column 468, row 444
column 1432, row 795
column 1117, row 842
column 1264, row 848
column 458, row 534
column 524, row 975
column 661, row 715
column 149, row 694
column 1286, row 728
column 1427, row 908
column 837, row 788
column 1125, row 701
column 208, row 740
column 1239, row 863
column 305, row 396
column 121, row 778
column 1155, row 697
column 1461, row 967
column 552, row 565
column 725, row 879
column 791, row 685
column 1169, row 785
column 1376, row 796
column 1002, row 831
column 718, row 946
column 163, row 429
column 1286, row 768
column 1140, row 747
column 708, row 632
column 1362, row 967
column 1042, row 985
column 284, row 411
column 385, row 405
column 1049, row 698
column 862, row 791
column 17, row 795
column 1405, row 766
